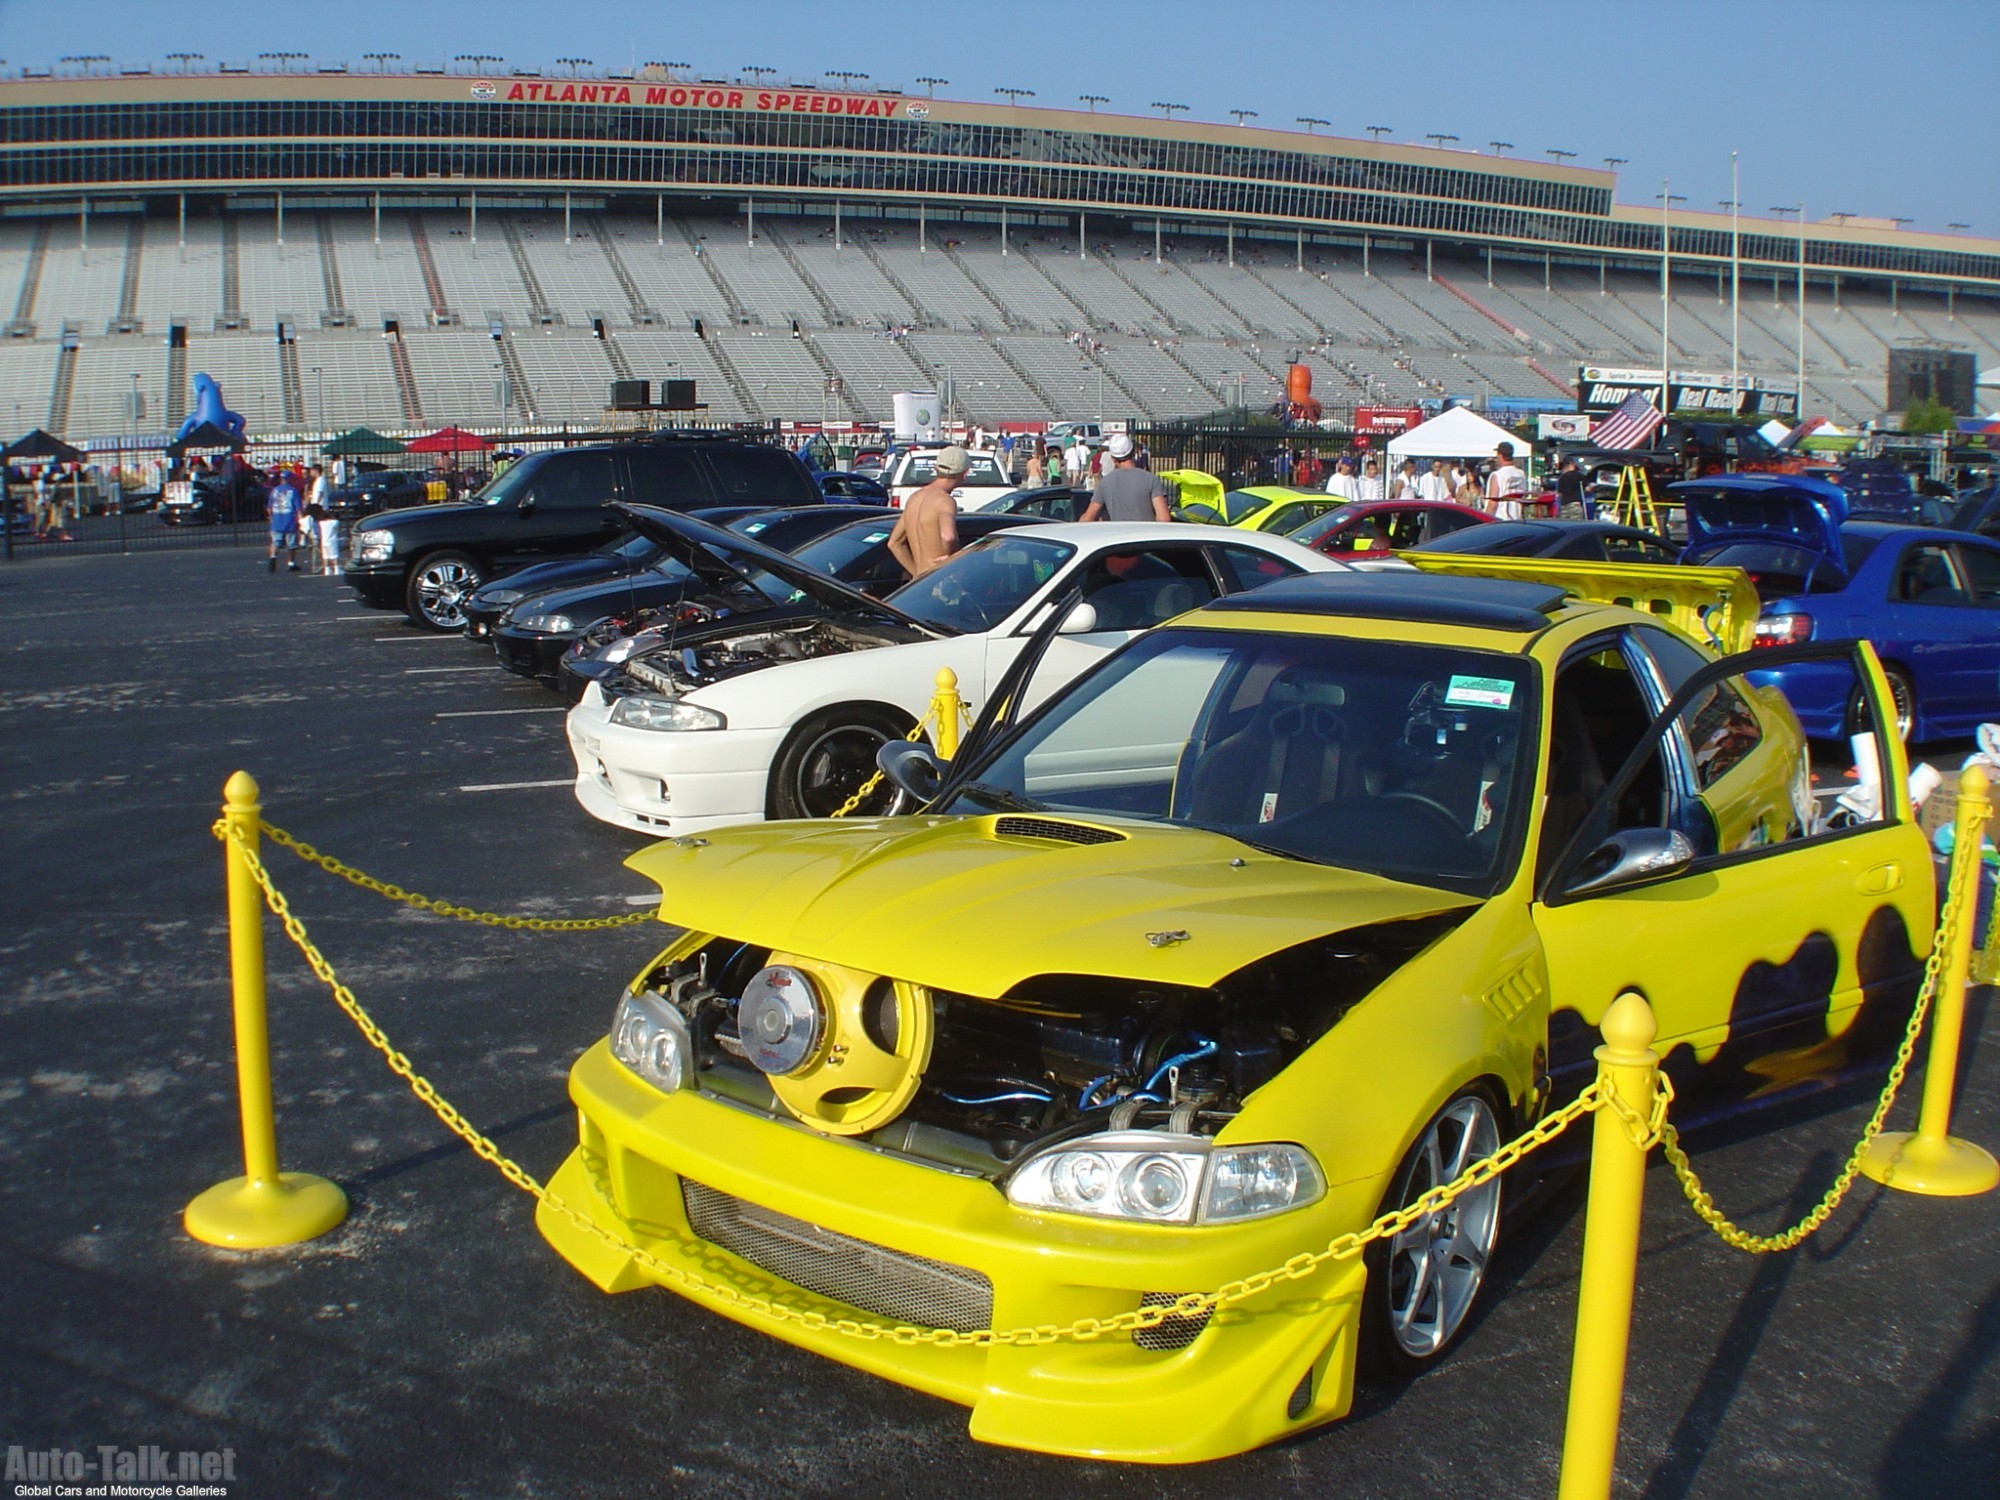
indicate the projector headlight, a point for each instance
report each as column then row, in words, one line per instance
column 641, row 712
column 651, row 1038
column 540, row 623
column 1157, row 1178
column 374, row 546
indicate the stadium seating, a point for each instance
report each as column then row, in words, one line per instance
column 1037, row 333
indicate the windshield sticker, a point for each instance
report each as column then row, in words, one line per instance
column 1479, row 692
column 1270, row 808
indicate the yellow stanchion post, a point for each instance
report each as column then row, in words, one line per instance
column 1626, row 1065
column 1930, row 1159
column 946, row 706
column 264, row 1207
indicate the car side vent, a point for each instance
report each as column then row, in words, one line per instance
column 1013, row 827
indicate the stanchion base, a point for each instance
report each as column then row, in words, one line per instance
column 257, row 1214
column 1941, row 1168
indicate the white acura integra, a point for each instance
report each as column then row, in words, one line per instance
column 780, row 714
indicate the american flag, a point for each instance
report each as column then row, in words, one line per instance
column 1630, row 425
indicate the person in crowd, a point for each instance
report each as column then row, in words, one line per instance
column 1507, row 486
column 1037, row 466
column 1467, row 489
column 1281, row 464
column 328, row 522
column 1406, row 482
column 1371, row 480
column 43, row 503
column 1128, row 492
column 1569, row 490
column 1434, row 484
column 282, row 509
column 1306, row 473
column 1343, row 484
column 926, row 529
column 1076, row 461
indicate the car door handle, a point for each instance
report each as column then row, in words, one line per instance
column 1880, row 880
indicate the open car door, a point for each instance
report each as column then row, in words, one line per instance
column 1770, row 895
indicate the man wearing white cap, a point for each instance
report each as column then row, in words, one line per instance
column 1128, row 492
column 926, row 532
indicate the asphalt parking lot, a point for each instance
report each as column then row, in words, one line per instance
column 434, row 1345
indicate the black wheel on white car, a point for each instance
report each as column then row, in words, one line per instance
column 829, row 758
column 438, row 587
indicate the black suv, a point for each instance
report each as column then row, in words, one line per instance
column 426, row 561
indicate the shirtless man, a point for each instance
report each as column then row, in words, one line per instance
column 926, row 533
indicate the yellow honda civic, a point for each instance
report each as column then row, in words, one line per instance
column 1284, row 914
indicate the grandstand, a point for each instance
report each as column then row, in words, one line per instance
column 406, row 288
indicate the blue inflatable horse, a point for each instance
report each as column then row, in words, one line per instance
column 208, row 407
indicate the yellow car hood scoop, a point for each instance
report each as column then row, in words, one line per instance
column 977, row 905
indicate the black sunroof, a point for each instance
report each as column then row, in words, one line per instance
column 1482, row 603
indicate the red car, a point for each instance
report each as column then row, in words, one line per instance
column 1375, row 528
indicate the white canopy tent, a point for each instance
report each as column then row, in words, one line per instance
column 1458, row 433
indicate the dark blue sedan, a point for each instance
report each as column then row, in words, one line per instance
column 1928, row 599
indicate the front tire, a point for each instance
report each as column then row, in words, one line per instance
column 1902, row 703
column 438, row 586
column 829, row 758
column 1424, row 1283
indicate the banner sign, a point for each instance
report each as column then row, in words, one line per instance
column 1569, row 426
column 1386, row 420
column 698, row 96
column 1602, row 389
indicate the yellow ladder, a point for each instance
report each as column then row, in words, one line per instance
column 1635, row 505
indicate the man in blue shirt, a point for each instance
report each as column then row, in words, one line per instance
column 282, row 509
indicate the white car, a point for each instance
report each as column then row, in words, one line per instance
column 985, row 484
column 736, row 722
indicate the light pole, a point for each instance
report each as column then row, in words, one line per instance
column 1015, row 96
column 1375, row 132
column 1957, row 228
column 1093, row 100
column 1612, row 163
column 1558, row 155
column 760, row 75
column 573, row 63
column 1668, row 199
column 850, row 79
column 1244, row 114
column 1501, row 148
column 1167, row 109
column 184, row 58
column 381, row 59
column 1309, row 121
column 1440, row 137
column 1800, row 209
column 932, row 85
column 319, row 396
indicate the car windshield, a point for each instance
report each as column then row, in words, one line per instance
column 981, row 586
column 829, row 554
column 1319, row 526
column 1500, row 539
column 506, row 488
column 632, row 548
column 1405, row 761
column 983, row 473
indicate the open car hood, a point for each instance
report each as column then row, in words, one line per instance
column 975, row 905
column 714, row 555
column 1777, row 510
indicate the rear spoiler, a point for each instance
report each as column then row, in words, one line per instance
column 1717, row 606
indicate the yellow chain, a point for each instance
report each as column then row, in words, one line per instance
column 916, row 733
column 1698, row 1197
column 353, row 876
column 1190, row 1305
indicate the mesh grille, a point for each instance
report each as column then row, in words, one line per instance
column 1168, row 1333
column 1049, row 828
column 890, row 1284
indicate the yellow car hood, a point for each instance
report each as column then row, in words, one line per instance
column 951, row 903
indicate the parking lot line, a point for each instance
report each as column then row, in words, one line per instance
column 486, row 713
column 425, row 671
column 517, row 786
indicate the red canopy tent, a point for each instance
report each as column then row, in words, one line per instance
column 451, row 440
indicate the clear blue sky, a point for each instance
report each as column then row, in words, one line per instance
column 1882, row 109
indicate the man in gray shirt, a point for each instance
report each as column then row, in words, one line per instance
column 1128, row 492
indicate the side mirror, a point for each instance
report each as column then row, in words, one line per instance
column 526, row 504
column 1081, row 620
column 1629, row 858
column 911, row 768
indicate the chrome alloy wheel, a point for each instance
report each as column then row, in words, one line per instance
column 1436, row 1266
column 441, row 588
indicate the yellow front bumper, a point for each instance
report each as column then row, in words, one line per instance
column 1236, row 1386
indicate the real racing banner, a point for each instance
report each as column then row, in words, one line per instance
column 1689, row 392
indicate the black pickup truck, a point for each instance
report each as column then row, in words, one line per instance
column 426, row 561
